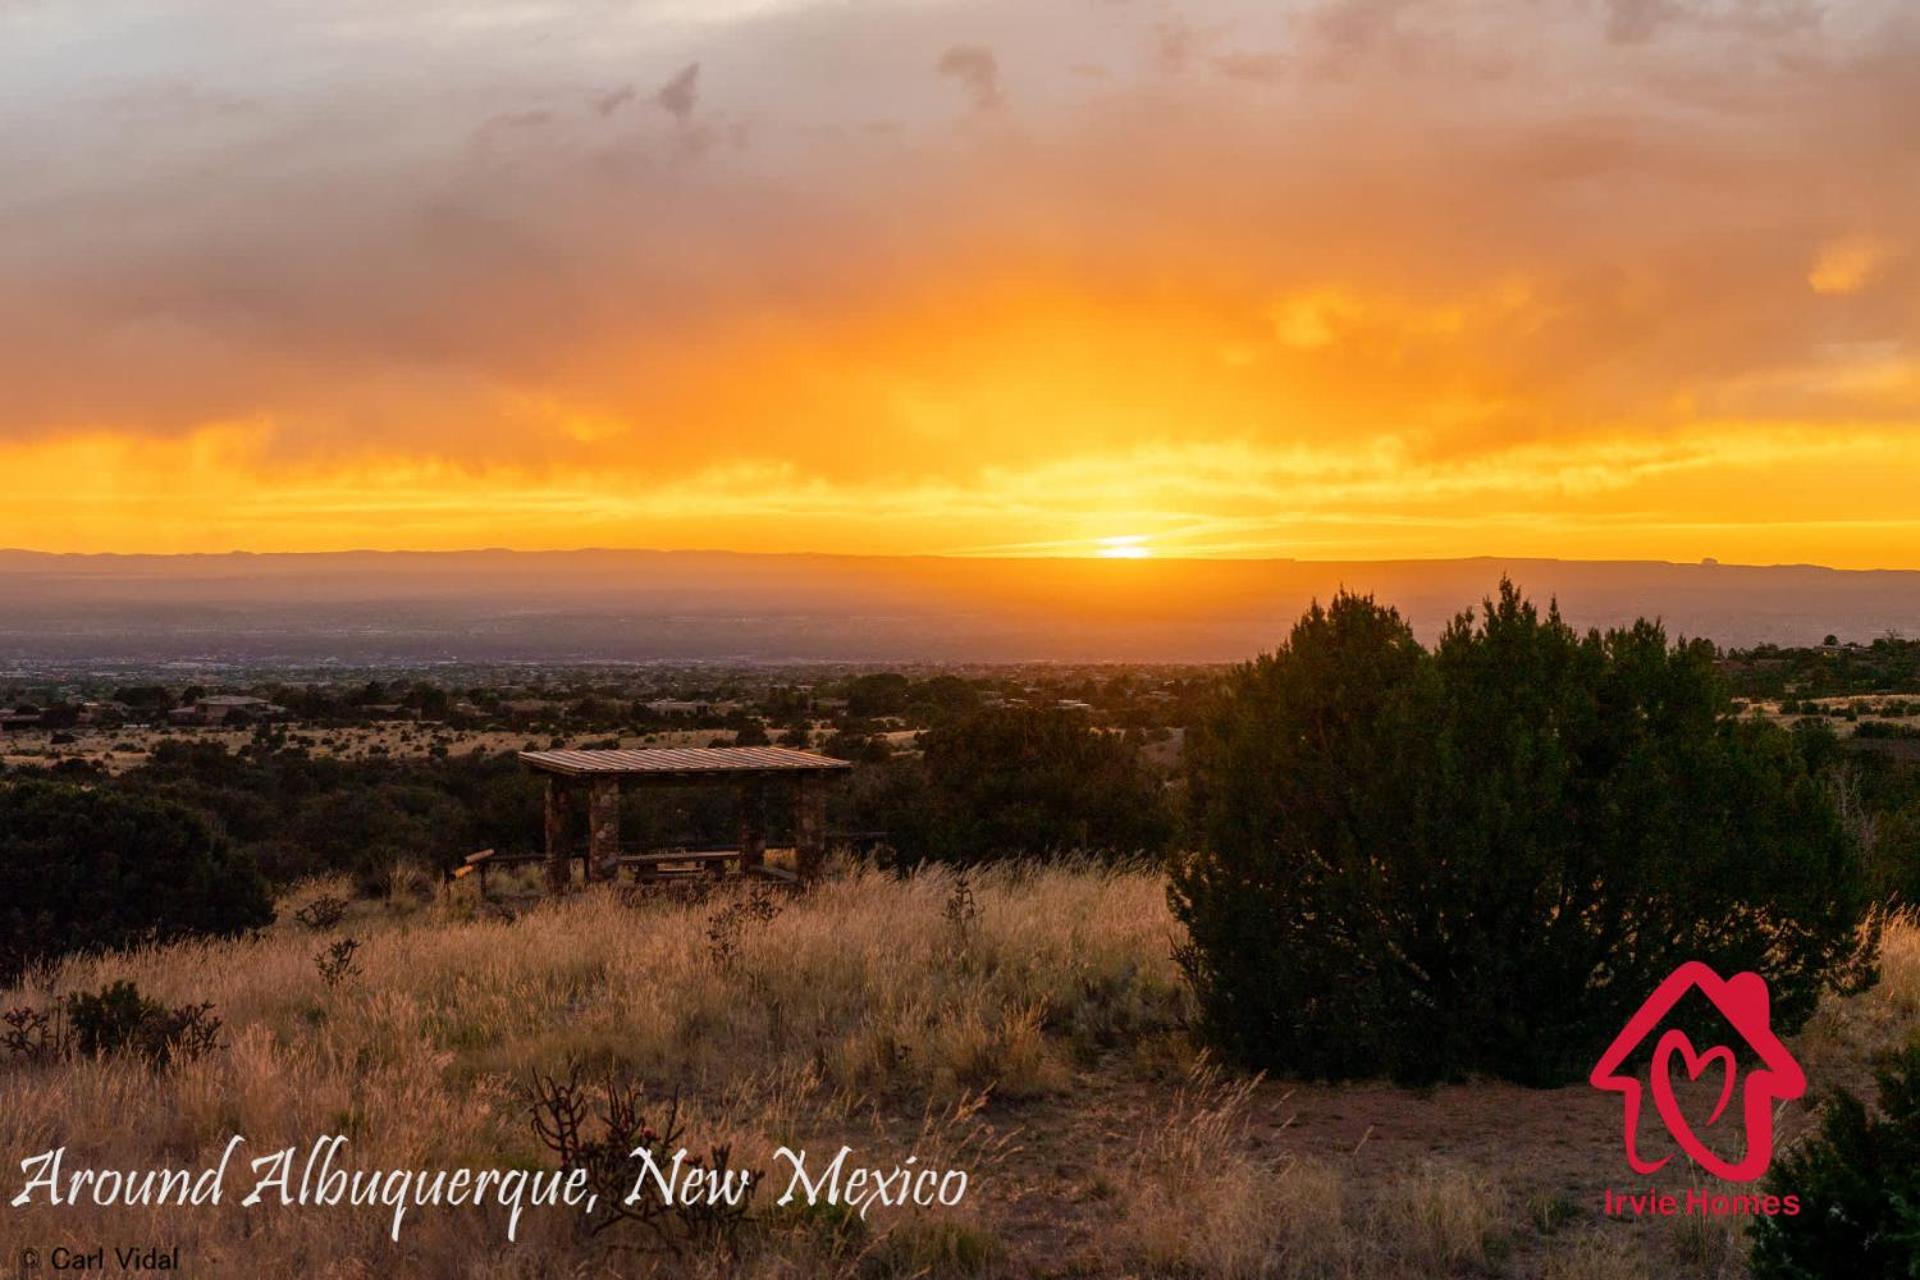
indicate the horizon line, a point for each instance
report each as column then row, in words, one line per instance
column 1135, row 563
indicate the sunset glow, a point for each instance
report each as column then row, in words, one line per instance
column 1328, row 279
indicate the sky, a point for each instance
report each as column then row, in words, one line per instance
column 1325, row 279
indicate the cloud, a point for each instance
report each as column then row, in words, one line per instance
column 1351, row 30
column 1461, row 236
column 1847, row 265
column 607, row 101
column 975, row 67
column 680, row 95
column 1637, row 21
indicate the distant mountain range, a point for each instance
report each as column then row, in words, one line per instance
column 641, row 605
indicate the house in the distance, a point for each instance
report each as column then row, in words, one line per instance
column 23, row 716
column 224, row 709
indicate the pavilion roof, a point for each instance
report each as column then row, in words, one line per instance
column 687, row 762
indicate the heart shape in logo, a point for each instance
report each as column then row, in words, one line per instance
column 1675, row 1041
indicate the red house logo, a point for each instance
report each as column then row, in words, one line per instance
column 1743, row 1001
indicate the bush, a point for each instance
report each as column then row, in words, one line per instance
column 1481, row 858
column 1894, row 854
column 338, row 962
column 83, row 869
column 600, row 1129
column 323, row 913
column 1012, row 782
column 117, row 1019
column 1859, row 1189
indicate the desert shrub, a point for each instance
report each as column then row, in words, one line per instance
column 84, row 869
column 1896, row 854
column 727, row 927
column 1011, row 782
column 880, row 693
column 117, row 1019
column 323, row 913
column 1482, row 857
column 1873, row 729
column 302, row 815
column 600, row 1126
column 1859, row 1186
column 373, row 874
column 962, row 911
column 34, row 1035
column 338, row 962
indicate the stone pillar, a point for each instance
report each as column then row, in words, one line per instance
column 603, row 828
column 809, row 825
column 753, row 825
column 559, row 873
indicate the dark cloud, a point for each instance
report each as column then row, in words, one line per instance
column 1637, row 21
column 1632, row 22
column 607, row 101
column 1350, row 29
column 975, row 67
column 679, row 96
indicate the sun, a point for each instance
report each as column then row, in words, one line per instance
column 1130, row 546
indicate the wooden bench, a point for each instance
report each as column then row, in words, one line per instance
column 672, row 862
column 656, row 865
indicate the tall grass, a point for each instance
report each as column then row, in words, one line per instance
column 861, row 999
column 1845, row 1037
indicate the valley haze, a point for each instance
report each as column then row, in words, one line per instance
column 608, row 605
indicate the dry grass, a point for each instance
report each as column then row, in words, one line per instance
column 853, row 1006
column 1846, row 1036
column 1596, row 1254
column 1441, row 1218
column 1200, row 1200
column 1032, row 1046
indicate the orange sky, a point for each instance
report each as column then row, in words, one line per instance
column 1339, row 279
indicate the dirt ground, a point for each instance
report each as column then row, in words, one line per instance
column 1548, row 1155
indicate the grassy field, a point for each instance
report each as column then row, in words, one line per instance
column 1026, row 1027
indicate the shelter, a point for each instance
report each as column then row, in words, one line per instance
column 591, row 782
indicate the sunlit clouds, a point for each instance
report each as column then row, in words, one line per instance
column 1341, row 279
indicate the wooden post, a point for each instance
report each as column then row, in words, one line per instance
column 559, row 873
column 753, row 825
column 809, row 825
column 603, row 828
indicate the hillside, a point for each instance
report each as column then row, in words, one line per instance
column 714, row 606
